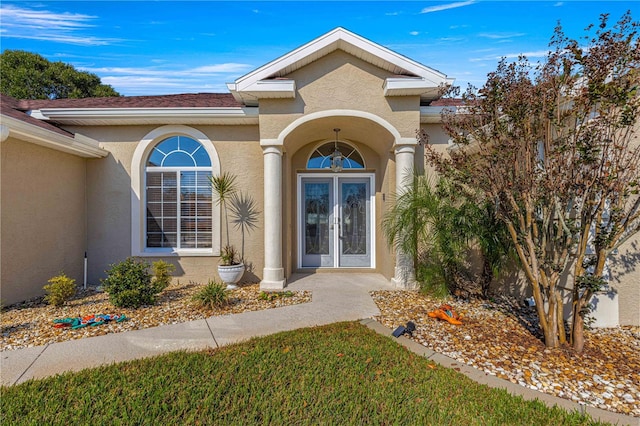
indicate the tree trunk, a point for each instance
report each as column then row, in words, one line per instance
column 487, row 276
column 577, row 328
column 559, row 311
column 546, row 318
column 551, row 335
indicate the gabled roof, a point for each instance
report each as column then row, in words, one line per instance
column 409, row 77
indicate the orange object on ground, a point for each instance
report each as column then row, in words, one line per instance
column 446, row 312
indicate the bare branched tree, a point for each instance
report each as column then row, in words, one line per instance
column 555, row 147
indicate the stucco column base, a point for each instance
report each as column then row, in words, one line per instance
column 273, row 279
column 405, row 278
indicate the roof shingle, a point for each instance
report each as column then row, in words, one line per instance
column 186, row 100
column 11, row 108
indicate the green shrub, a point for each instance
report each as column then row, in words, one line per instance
column 213, row 295
column 60, row 289
column 129, row 285
column 432, row 279
column 162, row 274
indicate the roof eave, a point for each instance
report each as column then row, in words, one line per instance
column 79, row 145
column 115, row 116
column 411, row 87
column 264, row 89
column 431, row 114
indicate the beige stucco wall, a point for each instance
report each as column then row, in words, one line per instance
column 43, row 218
column 626, row 281
column 625, row 269
column 339, row 81
column 438, row 139
column 109, row 199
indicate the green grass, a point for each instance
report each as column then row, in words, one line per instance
column 338, row 374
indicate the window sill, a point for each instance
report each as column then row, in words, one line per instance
column 178, row 253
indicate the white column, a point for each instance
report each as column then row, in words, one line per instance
column 404, row 150
column 273, row 273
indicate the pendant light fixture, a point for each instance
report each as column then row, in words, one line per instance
column 336, row 156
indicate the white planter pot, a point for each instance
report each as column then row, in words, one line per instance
column 230, row 275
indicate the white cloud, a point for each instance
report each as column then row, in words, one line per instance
column 17, row 16
column 222, row 68
column 440, row 7
column 491, row 49
column 500, row 36
column 414, row 33
column 34, row 24
column 164, row 72
column 149, row 72
column 132, row 81
column 167, row 85
column 558, row 4
column 61, row 38
column 143, row 84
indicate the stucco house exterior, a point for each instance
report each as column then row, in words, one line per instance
column 128, row 176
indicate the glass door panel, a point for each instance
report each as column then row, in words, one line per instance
column 355, row 222
column 317, row 223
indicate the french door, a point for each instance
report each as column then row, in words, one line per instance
column 335, row 221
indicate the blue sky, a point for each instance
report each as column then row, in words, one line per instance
column 164, row 47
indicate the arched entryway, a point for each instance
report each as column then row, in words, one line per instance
column 335, row 208
column 330, row 220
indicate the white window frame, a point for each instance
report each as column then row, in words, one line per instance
column 138, row 193
column 329, row 142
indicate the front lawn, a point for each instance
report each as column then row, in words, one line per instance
column 338, row 374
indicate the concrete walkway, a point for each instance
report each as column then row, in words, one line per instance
column 336, row 297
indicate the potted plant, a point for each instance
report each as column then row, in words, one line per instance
column 231, row 268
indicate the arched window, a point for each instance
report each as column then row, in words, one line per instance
column 178, row 195
column 321, row 157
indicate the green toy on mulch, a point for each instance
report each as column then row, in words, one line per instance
column 89, row 320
